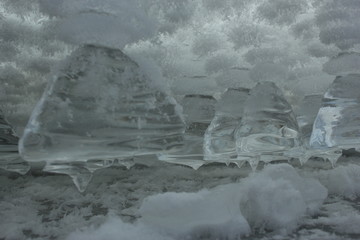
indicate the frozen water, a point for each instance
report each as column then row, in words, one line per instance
column 9, row 156
column 219, row 140
column 343, row 64
column 306, row 113
column 337, row 123
column 268, row 128
column 198, row 111
column 99, row 107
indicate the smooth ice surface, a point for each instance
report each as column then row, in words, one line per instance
column 337, row 123
column 99, row 106
column 343, row 64
column 219, row 139
column 198, row 112
column 9, row 156
column 306, row 113
column 276, row 198
column 268, row 128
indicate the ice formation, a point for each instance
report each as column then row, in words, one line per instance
column 268, row 129
column 198, row 111
column 219, row 139
column 337, row 123
column 9, row 156
column 97, row 108
column 306, row 115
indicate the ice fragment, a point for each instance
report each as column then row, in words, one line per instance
column 268, row 128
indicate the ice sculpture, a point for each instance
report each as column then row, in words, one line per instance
column 198, row 111
column 268, row 128
column 97, row 108
column 10, row 159
column 306, row 114
column 343, row 64
column 337, row 124
column 219, row 141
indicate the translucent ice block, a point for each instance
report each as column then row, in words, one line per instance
column 98, row 107
column 268, row 128
column 219, row 139
column 9, row 156
column 338, row 122
column 306, row 113
column 198, row 110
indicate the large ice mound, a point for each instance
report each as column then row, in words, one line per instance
column 269, row 128
column 337, row 122
column 98, row 107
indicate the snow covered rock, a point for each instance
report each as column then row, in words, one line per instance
column 277, row 198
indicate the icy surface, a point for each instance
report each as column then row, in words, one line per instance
column 219, row 138
column 268, row 128
column 99, row 106
column 306, row 114
column 337, row 123
column 198, row 112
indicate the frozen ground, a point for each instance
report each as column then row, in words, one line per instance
column 282, row 205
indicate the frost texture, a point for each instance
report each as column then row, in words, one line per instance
column 343, row 64
column 338, row 23
column 99, row 106
column 276, row 198
column 337, row 123
column 219, row 139
column 111, row 23
column 268, row 128
column 198, row 111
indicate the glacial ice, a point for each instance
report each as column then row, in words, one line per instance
column 10, row 159
column 268, row 128
column 337, row 123
column 198, row 111
column 219, row 139
column 97, row 108
column 306, row 113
